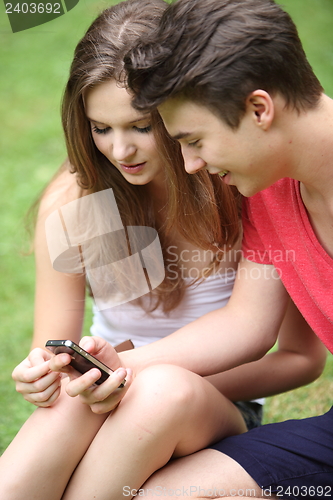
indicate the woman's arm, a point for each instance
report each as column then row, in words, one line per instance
column 59, row 303
column 299, row 360
column 60, row 297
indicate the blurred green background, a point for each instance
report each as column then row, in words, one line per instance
column 34, row 66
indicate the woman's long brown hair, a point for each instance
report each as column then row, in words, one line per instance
column 201, row 207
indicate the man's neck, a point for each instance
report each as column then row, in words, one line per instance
column 311, row 162
column 312, row 152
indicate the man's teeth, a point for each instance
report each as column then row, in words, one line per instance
column 223, row 173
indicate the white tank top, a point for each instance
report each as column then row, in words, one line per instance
column 128, row 321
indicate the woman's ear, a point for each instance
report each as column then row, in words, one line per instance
column 261, row 105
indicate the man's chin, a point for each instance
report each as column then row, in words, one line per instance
column 247, row 191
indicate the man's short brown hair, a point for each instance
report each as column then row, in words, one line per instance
column 216, row 52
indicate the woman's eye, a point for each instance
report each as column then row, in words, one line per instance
column 193, row 144
column 100, row 130
column 143, row 130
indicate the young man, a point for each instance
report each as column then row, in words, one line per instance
column 233, row 86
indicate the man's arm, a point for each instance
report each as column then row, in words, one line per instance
column 299, row 359
column 240, row 332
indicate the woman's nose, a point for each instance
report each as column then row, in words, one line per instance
column 122, row 147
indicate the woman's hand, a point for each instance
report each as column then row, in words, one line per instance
column 35, row 380
column 104, row 397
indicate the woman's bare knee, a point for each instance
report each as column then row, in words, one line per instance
column 166, row 387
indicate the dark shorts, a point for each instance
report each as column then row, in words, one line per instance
column 292, row 459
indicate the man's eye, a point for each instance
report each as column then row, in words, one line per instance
column 143, row 130
column 100, row 130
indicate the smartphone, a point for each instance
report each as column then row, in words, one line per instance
column 81, row 361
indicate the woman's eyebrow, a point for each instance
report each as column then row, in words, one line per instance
column 141, row 118
column 93, row 120
column 138, row 119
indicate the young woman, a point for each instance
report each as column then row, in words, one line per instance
column 65, row 450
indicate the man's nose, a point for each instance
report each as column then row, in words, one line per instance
column 193, row 163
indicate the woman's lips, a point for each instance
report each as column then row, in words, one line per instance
column 132, row 169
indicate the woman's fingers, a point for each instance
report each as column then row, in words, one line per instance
column 82, row 385
column 45, row 398
column 100, row 405
column 38, row 385
column 101, row 398
column 35, row 381
column 38, row 356
column 60, row 362
column 33, row 367
column 102, row 350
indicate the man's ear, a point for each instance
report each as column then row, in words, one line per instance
column 261, row 105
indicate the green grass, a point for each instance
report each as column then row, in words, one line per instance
column 34, row 68
column 307, row 401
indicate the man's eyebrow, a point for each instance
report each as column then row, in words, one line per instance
column 181, row 135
